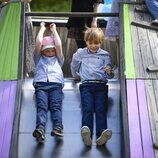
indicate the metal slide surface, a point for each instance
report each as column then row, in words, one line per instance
column 71, row 146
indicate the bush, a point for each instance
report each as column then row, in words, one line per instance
column 50, row 5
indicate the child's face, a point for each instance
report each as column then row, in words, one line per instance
column 93, row 47
column 49, row 52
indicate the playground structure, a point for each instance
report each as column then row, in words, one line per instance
column 133, row 106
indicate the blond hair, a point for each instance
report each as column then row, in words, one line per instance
column 94, row 34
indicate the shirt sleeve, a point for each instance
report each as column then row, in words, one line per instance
column 61, row 61
column 75, row 63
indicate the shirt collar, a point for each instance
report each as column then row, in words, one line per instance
column 93, row 53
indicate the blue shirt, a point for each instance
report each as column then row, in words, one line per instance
column 89, row 66
column 48, row 69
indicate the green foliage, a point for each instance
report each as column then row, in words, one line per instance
column 50, row 5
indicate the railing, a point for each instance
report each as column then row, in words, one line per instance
column 69, row 46
column 71, row 14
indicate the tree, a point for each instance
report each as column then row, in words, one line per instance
column 51, row 5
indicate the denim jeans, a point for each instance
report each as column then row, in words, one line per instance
column 48, row 97
column 94, row 99
column 152, row 5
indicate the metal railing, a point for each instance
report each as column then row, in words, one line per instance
column 71, row 14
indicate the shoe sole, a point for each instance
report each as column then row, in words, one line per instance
column 57, row 134
column 85, row 133
column 105, row 136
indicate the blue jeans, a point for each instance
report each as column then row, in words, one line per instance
column 152, row 5
column 48, row 97
column 94, row 99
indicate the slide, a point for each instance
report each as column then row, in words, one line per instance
column 18, row 110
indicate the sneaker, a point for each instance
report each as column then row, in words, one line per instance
column 86, row 135
column 39, row 135
column 155, row 22
column 57, row 132
column 105, row 136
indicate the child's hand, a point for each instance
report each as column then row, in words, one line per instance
column 52, row 27
column 108, row 70
column 42, row 25
column 77, row 79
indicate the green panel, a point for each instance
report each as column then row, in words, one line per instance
column 129, row 61
column 9, row 42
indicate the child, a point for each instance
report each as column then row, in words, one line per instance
column 94, row 67
column 48, row 82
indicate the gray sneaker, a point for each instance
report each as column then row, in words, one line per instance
column 104, row 137
column 86, row 135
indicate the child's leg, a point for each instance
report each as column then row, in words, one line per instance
column 101, row 103
column 87, row 102
column 42, row 105
column 55, row 105
column 42, row 108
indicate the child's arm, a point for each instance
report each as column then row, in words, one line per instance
column 57, row 41
column 75, row 65
column 108, row 68
column 39, row 39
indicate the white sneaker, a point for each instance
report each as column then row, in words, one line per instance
column 104, row 137
column 86, row 135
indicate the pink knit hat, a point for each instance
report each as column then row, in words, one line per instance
column 47, row 42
